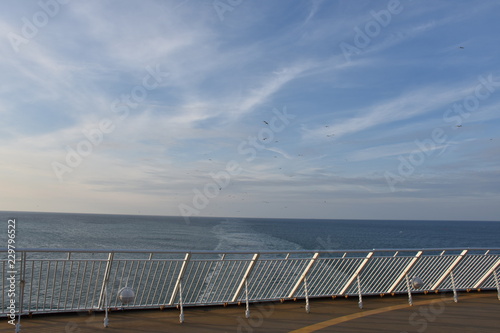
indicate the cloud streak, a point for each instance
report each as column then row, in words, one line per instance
column 352, row 119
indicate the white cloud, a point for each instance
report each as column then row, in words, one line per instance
column 224, row 78
column 409, row 104
column 272, row 85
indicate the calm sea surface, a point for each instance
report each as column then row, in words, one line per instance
column 90, row 231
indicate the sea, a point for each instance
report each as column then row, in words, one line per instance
column 98, row 231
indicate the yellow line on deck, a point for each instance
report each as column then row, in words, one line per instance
column 335, row 321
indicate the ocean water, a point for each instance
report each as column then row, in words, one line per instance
column 95, row 231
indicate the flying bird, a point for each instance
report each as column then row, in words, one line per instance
column 265, row 122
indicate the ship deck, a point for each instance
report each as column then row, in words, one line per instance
column 474, row 312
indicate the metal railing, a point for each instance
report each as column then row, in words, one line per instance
column 67, row 280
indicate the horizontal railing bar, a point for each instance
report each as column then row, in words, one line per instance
column 207, row 259
column 248, row 252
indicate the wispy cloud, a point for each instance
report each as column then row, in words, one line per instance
column 280, row 151
column 271, row 85
column 405, row 106
column 352, row 119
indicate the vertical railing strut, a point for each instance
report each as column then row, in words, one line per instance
column 455, row 295
column 21, row 291
column 360, row 297
column 497, row 283
column 181, row 305
column 308, row 306
column 247, row 306
column 408, row 286
column 106, row 305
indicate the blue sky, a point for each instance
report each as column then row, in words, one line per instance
column 306, row 109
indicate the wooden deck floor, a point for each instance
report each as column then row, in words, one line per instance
column 475, row 312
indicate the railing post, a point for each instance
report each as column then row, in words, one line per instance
column 181, row 315
column 405, row 272
column 303, row 275
column 497, row 283
column 448, row 271
column 360, row 298
column 308, row 307
column 247, row 310
column 106, row 305
column 179, row 278
column 410, row 299
column 355, row 274
column 455, row 295
column 21, row 291
column 245, row 276
column 105, row 279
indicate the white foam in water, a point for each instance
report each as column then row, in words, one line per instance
column 237, row 235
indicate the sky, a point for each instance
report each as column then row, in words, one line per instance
column 238, row 108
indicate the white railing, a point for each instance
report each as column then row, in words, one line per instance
column 66, row 280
